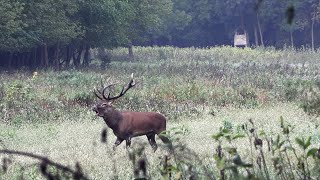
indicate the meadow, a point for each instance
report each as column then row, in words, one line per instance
column 232, row 114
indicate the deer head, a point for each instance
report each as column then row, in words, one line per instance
column 104, row 106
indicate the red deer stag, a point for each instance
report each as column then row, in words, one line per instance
column 126, row 125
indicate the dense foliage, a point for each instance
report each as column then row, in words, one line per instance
column 51, row 33
column 58, row 33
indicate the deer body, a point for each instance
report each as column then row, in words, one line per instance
column 126, row 125
column 132, row 124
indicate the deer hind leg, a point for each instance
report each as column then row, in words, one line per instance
column 128, row 142
column 117, row 143
column 152, row 142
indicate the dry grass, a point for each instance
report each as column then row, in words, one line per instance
column 79, row 141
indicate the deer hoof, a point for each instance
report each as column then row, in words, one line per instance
column 154, row 148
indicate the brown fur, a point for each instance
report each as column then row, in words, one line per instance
column 126, row 125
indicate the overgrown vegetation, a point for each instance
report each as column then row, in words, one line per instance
column 186, row 85
column 270, row 156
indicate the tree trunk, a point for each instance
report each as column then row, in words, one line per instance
column 77, row 60
column 10, row 61
column 86, row 57
column 34, row 59
column 45, row 56
column 68, row 57
column 25, row 60
column 29, row 60
column 256, row 39
column 56, row 60
column 291, row 38
column 312, row 33
column 17, row 62
column 40, row 51
column 130, row 50
column 260, row 31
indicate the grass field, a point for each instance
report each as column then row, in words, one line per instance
column 69, row 142
column 200, row 91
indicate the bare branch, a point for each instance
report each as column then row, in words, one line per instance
column 45, row 160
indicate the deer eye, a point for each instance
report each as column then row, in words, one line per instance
column 104, row 104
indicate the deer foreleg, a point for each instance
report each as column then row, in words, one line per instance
column 117, row 143
column 128, row 142
column 152, row 142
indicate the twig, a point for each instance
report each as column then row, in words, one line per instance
column 44, row 159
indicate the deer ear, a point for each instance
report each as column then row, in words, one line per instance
column 110, row 102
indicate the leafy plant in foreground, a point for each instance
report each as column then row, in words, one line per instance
column 277, row 154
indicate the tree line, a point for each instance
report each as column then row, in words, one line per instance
column 60, row 33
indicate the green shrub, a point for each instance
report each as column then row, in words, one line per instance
column 311, row 104
column 83, row 98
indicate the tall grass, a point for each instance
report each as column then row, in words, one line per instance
column 174, row 81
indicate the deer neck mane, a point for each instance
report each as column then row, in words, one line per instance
column 113, row 118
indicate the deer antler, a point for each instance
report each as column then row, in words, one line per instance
column 95, row 93
column 98, row 92
column 123, row 91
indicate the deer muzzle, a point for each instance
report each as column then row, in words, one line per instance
column 94, row 108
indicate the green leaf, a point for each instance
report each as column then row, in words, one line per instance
column 277, row 140
column 290, row 148
column 238, row 136
column 286, row 130
column 281, row 122
column 262, row 133
column 232, row 151
column 308, row 143
column 247, row 165
column 217, row 136
column 226, row 131
column 300, row 142
column 281, row 143
column 216, row 157
column 228, row 137
column 172, row 168
column 221, row 164
column 312, row 152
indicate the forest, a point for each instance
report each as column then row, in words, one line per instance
column 59, row 34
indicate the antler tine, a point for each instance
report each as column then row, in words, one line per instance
column 99, row 93
column 94, row 91
column 103, row 91
column 101, row 83
column 123, row 91
column 130, row 85
column 110, row 98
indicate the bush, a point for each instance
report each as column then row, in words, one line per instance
column 311, row 104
